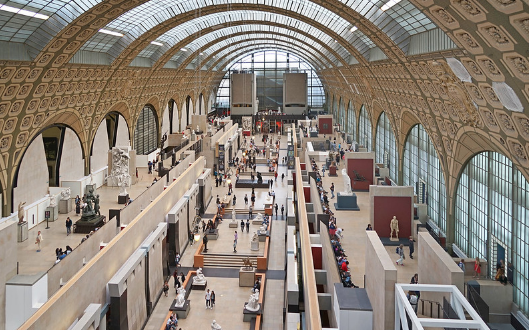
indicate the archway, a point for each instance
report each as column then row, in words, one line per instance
column 112, row 131
column 386, row 146
column 146, row 131
column 365, row 129
column 188, row 105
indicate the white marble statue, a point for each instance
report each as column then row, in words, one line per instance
column 259, row 217
column 253, row 303
column 263, row 228
column 198, row 128
column 65, row 194
column 120, row 169
column 255, row 237
column 180, row 297
column 346, row 183
column 199, row 279
column 53, row 203
column 215, row 326
column 394, row 227
column 21, row 212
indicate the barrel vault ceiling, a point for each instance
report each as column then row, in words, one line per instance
column 458, row 67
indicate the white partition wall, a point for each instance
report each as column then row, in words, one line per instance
column 72, row 163
column 243, row 94
column 99, row 157
column 294, row 93
column 122, row 137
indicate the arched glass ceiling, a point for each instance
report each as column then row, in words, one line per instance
column 35, row 22
column 199, row 44
column 100, row 42
column 154, row 52
column 220, row 59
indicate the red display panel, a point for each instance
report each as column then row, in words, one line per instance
column 316, row 257
column 385, row 207
column 325, row 126
column 306, row 192
column 365, row 168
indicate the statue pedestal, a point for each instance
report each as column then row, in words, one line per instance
column 393, row 239
column 212, row 234
column 54, row 212
column 346, row 202
column 234, row 224
column 332, row 171
column 89, row 186
column 123, row 199
column 254, row 246
column 249, row 315
column 86, row 226
column 246, row 277
column 199, row 286
column 263, row 234
column 22, row 231
column 65, row 206
column 181, row 312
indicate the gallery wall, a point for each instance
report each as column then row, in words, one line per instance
column 99, row 157
column 72, row 162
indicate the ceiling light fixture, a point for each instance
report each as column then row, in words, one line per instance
column 183, row 49
column 112, row 33
column 354, row 28
column 23, row 12
column 389, row 4
column 156, row 43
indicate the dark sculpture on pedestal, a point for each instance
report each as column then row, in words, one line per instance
column 91, row 217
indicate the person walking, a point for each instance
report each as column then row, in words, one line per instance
column 282, row 177
column 212, row 299
column 477, row 268
column 38, row 240
column 242, row 225
column 165, row 288
column 235, row 236
column 250, row 209
column 323, row 171
column 208, row 299
column 276, row 207
column 234, row 200
column 332, row 190
column 177, row 259
column 245, row 199
column 182, row 277
column 282, row 210
column 234, row 245
column 411, row 246
column 247, row 225
column 400, row 251
column 69, row 224
column 216, row 181
column 177, row 283
column 205, row 241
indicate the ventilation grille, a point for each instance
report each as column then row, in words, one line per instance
column 459, row 70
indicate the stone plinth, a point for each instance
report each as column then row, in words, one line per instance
column 212, row 234
column 54, row 212
column 234, row 224
column 254, row 246
column 332, row 171
column 263, row 234
column 181, row 312
column 249, row 315
column 123, row 199
column 246, row 277
column 346, row 202
column 65, row 206
column 22, row 233
column 199, row 286
column 86, row 226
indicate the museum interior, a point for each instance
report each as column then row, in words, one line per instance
column 301, row 164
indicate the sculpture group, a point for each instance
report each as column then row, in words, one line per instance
column 120, row 169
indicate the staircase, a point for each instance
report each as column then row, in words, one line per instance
column 227, row 260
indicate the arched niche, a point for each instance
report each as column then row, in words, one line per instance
column 112, row 131
column 53, row 156
column 146, row 135
column 365, row 129
column 386, row 150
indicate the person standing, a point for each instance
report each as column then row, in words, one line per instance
column 332, row 190
column 208, row 299
column 234, row 245
column 216, row 181
column 247, row 225
column 212, row 299
column 282, row 177
column 149, row 166
column 282, row 210
column 205, row 241
column 323, row 171
column 68, row 226
column 477, row 268
column 461, row 265
column 245, row 199
column 165, row 288
column 276, row 207
column 38, row 240
column 401, row 254
column 177, row 259
column 412, row 247
column 250, row 209
column 183, row 277
column 235, row 236
column 242, row 225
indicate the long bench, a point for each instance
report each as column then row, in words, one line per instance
column 187, row 286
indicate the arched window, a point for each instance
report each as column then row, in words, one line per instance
column 341, row 115
column 351, row 121
column 146, row 133
column 386, row 146
column 365, row 134
column 421, row 166
column 491, row 217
